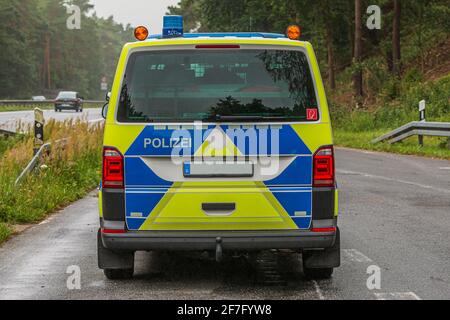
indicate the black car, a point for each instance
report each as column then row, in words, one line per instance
column 68, row 100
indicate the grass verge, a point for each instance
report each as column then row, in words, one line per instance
column 70, row 172
column 434, row 147
column 357, row 128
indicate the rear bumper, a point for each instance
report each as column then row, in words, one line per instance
column 207, row 240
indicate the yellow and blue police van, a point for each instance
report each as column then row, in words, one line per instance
column 218, row 142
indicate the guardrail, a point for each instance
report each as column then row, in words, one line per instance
column 45, row 148
column 44, row 102
column 7, row 133
column 422, row 128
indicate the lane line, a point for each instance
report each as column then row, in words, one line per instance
column 318, row 290
column 367, row 175
column 356, row 256
column 397, row 296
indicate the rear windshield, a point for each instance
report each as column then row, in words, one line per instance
column 218, row 85
column 67, row 95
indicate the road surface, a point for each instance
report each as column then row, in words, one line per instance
column 9, row 120
column 395, row 216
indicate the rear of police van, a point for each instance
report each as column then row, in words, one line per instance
column 218, row 143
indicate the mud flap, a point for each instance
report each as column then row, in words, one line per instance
column 328, row 258
column 109, row 259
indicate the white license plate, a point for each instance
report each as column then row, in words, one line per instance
column 218, row 169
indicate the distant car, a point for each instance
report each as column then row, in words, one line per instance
column 38, row 98
column 69, row 100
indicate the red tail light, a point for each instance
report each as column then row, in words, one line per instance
column 112, row 168
column 113, row 231
column 323, row 229
column 323, row 172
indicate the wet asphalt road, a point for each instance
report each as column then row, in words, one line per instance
column 395, row 214
column 9, row 120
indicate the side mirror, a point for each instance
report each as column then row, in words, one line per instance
column 105, row 110
column 108, row 96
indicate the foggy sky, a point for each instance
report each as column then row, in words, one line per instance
column 136, row 12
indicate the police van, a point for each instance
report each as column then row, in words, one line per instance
column 217, row 142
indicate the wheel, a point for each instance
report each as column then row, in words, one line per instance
column 318, row 273
column 118, row 274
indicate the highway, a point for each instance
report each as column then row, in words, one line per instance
column 395, row 218
column 9, row 120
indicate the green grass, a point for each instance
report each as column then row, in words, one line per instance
column 433, row 146
column 5, row 232
column 8, row 143
column 71, row 173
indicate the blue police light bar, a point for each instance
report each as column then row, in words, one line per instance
column 172, row 27
column 228, row 34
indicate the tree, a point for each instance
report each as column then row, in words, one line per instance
column 357, row 76
column 396, row 49
column 191, row 12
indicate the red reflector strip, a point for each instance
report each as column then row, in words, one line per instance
column 217, row 46
column 115, row 231
column 323, row 229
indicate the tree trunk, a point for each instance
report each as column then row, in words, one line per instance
column 357, row 76
column 396, row 48
column 331, row 73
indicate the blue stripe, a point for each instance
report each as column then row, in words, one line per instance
column 137, row 173
column 298, row 172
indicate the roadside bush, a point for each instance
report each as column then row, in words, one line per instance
column 71, row 170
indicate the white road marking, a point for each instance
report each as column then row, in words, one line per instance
column 355, row 255
column 397, row 296
column 367, row 175
column 318, row 290
column 444, row 168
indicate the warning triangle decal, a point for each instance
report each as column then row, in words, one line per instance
column 217, row 144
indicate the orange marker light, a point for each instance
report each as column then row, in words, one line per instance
column 293, row 32
column 141, row 33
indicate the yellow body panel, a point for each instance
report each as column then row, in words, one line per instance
column 256, row 208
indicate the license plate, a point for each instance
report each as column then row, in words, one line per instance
column 218, row 169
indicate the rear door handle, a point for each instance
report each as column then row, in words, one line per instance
column 221, row 207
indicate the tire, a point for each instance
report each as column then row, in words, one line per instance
column 318, row 273
column 118, row 274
